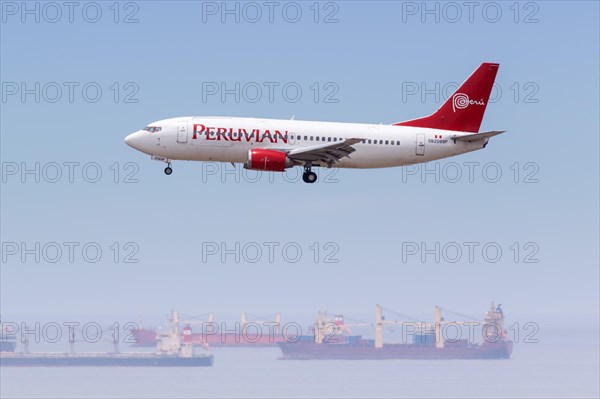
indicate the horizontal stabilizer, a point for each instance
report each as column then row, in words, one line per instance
column 476, row 136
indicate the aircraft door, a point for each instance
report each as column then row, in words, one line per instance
column 182, row 132
column 420, row 144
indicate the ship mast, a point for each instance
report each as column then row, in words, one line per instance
column 26, row 342
column 278, row 323
column 72, row 342
column 174, row 322
column 244, row 320
column 319, row 333
column 439, row 339
column 378, row 327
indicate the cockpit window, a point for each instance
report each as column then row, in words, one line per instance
column 152, row 129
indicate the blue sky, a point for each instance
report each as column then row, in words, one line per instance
column 548, row 102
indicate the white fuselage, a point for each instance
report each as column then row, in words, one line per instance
column 228, row 139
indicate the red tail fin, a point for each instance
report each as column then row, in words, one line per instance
column 463, row 111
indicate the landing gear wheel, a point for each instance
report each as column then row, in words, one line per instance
column 168, row 170
column 309, row 177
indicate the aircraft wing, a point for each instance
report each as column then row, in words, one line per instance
column 329, row 153
column 476, row 136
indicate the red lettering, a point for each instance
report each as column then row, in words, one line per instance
column 221, row 133
column 194, row 137
column 237, row 137
column 283, row 137
column 227, row 134
column 208, row 132
column 268, row 134
column 248, row 137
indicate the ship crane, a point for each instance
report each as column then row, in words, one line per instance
column 358, row 324
column 114, row 341
column 198, row 319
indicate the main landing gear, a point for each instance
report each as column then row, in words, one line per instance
column 168, row 169
column 309, row 176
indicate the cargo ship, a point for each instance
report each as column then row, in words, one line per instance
column 8, row 342
column 427, row 341
column 257, row 333
column 172, row 350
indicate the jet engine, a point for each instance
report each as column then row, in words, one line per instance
column 269, row 160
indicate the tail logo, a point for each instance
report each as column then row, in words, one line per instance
column 462, row 101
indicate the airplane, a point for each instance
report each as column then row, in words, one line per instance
column 275, row 145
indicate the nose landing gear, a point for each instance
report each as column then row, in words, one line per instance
column 309, row 176
column 168, row 169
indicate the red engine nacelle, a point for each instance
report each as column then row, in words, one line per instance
column 268, row 160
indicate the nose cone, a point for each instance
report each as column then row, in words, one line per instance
column 133, row 140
